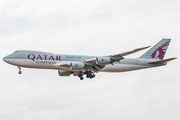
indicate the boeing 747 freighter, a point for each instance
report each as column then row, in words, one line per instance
column 80, row 65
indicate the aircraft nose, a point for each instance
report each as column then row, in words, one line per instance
column 5, row 59
column 9, row 58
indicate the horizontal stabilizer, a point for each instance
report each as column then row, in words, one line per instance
column 162, row 61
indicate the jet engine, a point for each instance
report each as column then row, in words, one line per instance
column 64, row 73
column 103, row 60
column 77, row 66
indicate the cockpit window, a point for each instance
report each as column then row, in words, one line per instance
column 16, row 52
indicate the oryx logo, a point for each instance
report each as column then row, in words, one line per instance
column 159, row 52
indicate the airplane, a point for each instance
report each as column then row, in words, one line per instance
column 80, row 65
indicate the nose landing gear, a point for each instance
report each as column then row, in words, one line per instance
column 20, row 72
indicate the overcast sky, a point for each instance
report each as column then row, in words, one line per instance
column 94, row 27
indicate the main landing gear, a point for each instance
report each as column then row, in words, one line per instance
column 20, row 72
column 80, row 76
column 88, row 74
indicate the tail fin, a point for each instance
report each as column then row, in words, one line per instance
column 158, row 51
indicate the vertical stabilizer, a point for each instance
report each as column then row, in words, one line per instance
column 158, row 51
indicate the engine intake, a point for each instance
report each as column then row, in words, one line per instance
column 103, row 60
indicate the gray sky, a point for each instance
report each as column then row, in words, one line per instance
column 96, row 27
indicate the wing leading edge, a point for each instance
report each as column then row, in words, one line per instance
column 130, row 52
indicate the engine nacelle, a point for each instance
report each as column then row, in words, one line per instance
column 103, row 60
column 64, row 73
column 77, row 66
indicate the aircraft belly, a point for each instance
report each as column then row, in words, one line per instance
column 122, row 68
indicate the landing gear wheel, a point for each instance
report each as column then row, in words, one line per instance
column 80, row 75
column 81, row 78
column 89, row 74
column 20, row 72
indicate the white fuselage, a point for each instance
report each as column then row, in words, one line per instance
column 42, row 60
column 117, row 67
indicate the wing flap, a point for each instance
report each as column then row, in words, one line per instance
column 162, row 61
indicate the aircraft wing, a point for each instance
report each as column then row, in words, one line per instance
column 117, row 57
column 92, row 63
column 130, row 52
column 98, row 63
